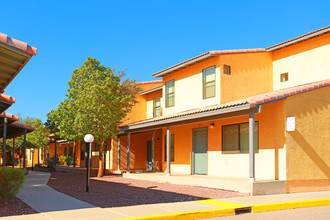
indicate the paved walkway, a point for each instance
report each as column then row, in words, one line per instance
column 54, row 205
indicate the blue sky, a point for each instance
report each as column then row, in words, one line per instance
column 142, row 36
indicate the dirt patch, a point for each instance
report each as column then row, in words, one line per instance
column 116, row 191
column 15, row 207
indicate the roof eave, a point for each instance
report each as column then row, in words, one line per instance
column 184, row 64
column 298, row 40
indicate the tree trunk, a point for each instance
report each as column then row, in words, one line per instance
column 100, row 172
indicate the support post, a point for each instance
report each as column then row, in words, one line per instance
column 119, row 152
column 13, row 154
column 24, row 150
column 59, row 153
column 55, row 151
column 168, row 158
column 4, row 142
column 68, row 155
column 128, row 151
column 88, row 165
column 153, row 150
column 74, row 154
column 251, row 147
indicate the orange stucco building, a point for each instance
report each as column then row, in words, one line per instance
column 258, row 114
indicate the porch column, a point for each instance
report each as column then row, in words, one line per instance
column 68, row 154
column 55, row 154
column 119, row 152
column 59, row 153
column 153, row 150
column 74, row 154
column 4, row 142
column 24, row 149
column 13, row 154
column 168, row 158
column 251, row 147
column 128, row 150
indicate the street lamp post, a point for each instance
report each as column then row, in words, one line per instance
column 88, row 139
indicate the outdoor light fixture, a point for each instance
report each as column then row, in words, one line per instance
column 88, row 139
column 212, row 125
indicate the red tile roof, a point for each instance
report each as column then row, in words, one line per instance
column 202, row 57
column 304, row 37
column 7, row 98
column 16, row 124
column 253, row 101
column 149, row 82
column 10, row 116
column 18, row 44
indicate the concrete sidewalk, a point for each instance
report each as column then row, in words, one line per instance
column 54, row 205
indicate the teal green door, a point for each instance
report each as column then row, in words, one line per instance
column 199, row 154
column 149, row 155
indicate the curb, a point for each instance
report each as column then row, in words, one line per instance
column 210, row 213
column 289, row 205
column 233, row 209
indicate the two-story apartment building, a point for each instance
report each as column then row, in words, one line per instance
column 262, row 114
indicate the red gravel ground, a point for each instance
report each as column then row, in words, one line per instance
column 15, row 207
column 116, row 191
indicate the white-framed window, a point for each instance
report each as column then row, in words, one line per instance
column 169, row 97
column 209, row 82
column 156, row 107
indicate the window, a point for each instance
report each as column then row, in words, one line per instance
column 227, row 69
column 156, row 108
column 209, row 82
column 284, row 77
column 82, row 151
column 171, row 147
column 235, row 138
column 169, row 87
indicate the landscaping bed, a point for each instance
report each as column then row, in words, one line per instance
column 15, row 207
column 116, row 191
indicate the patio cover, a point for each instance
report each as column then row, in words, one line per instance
column 14, row 54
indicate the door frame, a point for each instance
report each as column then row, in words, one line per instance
column 193, row 149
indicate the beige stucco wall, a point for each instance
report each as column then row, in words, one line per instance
column 305, row 62
column 308, row 147
column 237, row 165
column 189, row 93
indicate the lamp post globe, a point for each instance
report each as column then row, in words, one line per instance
column 89, row 138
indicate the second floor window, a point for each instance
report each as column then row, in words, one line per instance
column 209, row 82
column 156, row 108
column 169, row 90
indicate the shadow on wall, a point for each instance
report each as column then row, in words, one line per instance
column 311, row 153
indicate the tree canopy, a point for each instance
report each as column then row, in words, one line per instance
column 97, row 100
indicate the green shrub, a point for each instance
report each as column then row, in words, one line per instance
column 51, row 164
column 11, row 180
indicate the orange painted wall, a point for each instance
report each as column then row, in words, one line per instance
column 251, row 74
column 139, row 111
column 302, row 47
column 138, row 151
column 271, row 133
column 52, row 150
column 308, row 147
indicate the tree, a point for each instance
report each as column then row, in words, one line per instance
column 39, row 137
column 97, row 100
